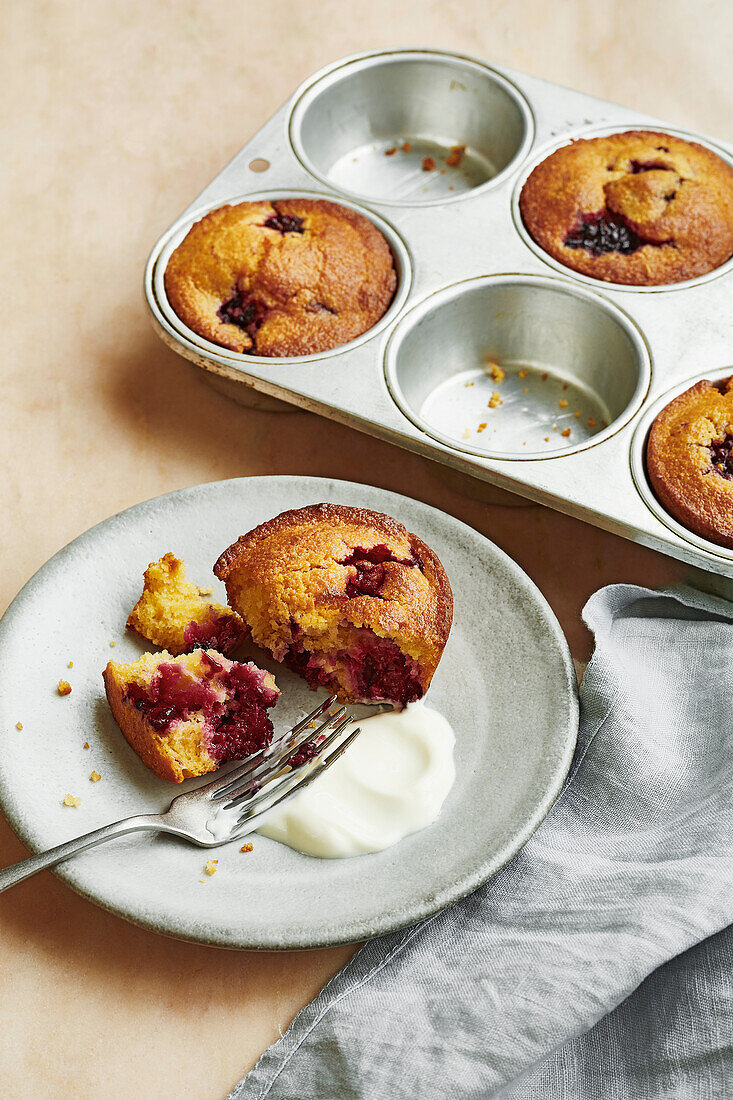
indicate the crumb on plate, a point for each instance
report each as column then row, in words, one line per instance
column 246, row 847
column 523, row 373
column 591, row 422
column 70, row 664
column 64, row 687
column 210, row 866
column 94, row 777
column 19, row 725
column 495, row 400
column 86, row 745
column 391, row 151
column 113, row 644
column 482, row 427
column 496, row 372
column 428, row 164
column 406, row 147
column 563, row 403
column 71, row 800
column 565, row 432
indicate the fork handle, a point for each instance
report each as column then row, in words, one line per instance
column 10, row 876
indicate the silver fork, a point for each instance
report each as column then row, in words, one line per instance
column 235, row 802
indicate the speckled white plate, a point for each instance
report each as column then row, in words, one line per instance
column 506, row 683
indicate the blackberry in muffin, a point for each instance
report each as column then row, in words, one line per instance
column 690, row 459
column 346, row 597
column 186, row 716
column 641, row 208
column 178, row 616
column 285, row 278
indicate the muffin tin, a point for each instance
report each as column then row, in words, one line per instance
column 474, row 289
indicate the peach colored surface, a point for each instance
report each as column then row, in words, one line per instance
column 116, row 115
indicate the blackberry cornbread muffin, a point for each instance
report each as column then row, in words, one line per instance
column 186, row 716
column 641, row 208
column 346, row 597
column 690, row 459
column 178, row 616
column 284, row 278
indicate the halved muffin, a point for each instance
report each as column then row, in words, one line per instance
column 185, row 716
column 346, row 597
column 178, row 616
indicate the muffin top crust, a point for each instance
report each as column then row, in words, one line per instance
column 284, row 278
column 641, row 208
column 328, row 565
column 690, row 459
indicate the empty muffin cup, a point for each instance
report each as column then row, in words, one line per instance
column 517, row 367
column 410, row 126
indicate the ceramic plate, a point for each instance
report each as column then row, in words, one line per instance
column 506, row 683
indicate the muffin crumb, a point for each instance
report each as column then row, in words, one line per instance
column 523, row 373
column 64, row 687
column 591, row 422
column 94, row 777
column 246, row 848
column 85, row 745
column 406, row 147
column 496, row 372
column 482, row 427
column 495, row 400
column 211, row 866
column 428, row 164
column 71, row 800
column 455, row 156
column 563, row 403
column 113, row 644
column 70, row 664
column 565, row 432
column 19, row 725
column 391, row 151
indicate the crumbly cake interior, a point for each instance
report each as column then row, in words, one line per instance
column 178, row 616
column 351, row 603
column 186, row 716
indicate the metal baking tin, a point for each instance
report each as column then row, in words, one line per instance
column 471, row 283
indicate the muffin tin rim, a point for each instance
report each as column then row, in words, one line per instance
column 452, row 290
column 637, row 456
column 166, row 244
column 590, row 131
column 297, row 104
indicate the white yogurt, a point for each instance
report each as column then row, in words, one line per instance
column 391, row 782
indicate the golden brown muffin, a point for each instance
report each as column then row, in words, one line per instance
column 284, row 278
column 186, row 716
column 178, row 616
column 641, row 207
column 346, row 597
column 690, row 459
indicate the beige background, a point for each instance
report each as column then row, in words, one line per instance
column 116, row 115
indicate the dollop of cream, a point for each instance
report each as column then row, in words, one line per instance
column 392, row 781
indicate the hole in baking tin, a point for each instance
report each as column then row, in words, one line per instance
column 538, row 369
column 410, row 128
column 259, row 164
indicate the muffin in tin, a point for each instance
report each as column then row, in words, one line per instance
column 641, row 208
column 346, row 597
column 283, row 278
column 690, row 459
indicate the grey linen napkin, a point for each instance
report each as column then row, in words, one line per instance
column 512, row 991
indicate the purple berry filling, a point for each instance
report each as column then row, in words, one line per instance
column 285, row 223
column 377, row 669
column 221, row 632
column 243, row 311
column 370, row 571
column 603, row 232
column 236, row 726
column 721, row 456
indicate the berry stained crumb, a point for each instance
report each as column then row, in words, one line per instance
column 210, row 866
column 246, row 848
column 544, row 376
column 94, row 777
column 391, row 151
column 406, row 147
column 428, row 164
column 64, row 687
column 71, row 800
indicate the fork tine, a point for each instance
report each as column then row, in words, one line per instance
column 222, row 782
column 269, row 769
column 251, row 819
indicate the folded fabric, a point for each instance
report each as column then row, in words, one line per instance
column 497, row 995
